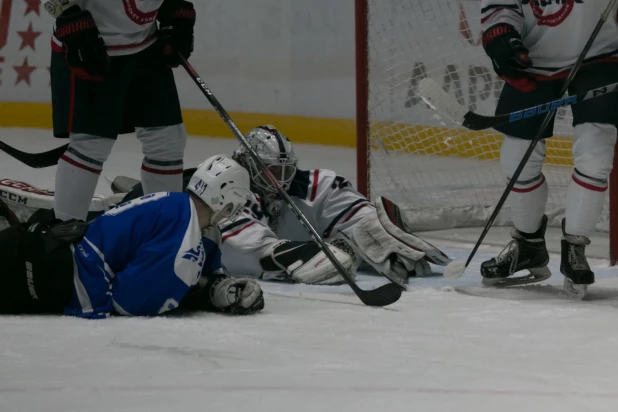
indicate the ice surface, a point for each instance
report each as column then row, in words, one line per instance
column 447, row 345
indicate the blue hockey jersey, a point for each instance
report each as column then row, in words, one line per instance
column 141, row 258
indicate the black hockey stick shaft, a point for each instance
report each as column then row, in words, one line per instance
column 382, row 296
column 35, row 160
column 475, row 121
column 539, row 135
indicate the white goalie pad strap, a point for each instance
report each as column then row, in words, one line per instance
column 393, row 222
column 25, row 199
column 303, row 262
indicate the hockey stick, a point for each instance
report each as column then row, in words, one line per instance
column 35, row 160
column 382, row 296
column 456, row 269
column 441, row 101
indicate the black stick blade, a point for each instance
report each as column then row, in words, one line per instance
column 35, row 160
column 383, row 296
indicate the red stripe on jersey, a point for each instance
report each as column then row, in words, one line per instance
column 80, row 165
column 529, row 189
column 133, row 45
column 351, row 215
column 588, row 185
column 314, row 187
column 237, row 232
column 160, row 171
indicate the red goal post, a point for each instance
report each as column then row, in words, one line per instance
column 447, row 177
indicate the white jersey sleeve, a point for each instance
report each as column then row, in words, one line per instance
column 245, row 239
column 555, row 33
column 127, row 26
column 334, row 203
column 328, row 201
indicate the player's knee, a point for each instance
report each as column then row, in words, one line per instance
column 89, row 149
column 511, row 153
column 163, row 143
column 593, row 149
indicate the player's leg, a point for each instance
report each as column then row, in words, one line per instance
column 90, row 114
column 158, row 123
column 37, row 266
column 527, row 250
column 593, row 154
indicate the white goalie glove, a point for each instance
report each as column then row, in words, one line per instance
column 303, row 262
column 385, row 242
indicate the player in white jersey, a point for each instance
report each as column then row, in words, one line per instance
column 269, row 242
column 532, row 46
column 111, row 74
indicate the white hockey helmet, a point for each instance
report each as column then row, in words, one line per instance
column 222, row 184
column 276, row 151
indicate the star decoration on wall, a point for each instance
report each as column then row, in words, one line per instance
column 24, row 72
column 28, row 37
column 33, row 6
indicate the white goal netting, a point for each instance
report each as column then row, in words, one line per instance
column 447, row 176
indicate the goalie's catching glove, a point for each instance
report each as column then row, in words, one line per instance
column 509, row 56
column 83, row 46
column 176, row 27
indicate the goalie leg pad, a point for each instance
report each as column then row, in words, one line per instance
column 392, row 220
column 304, row 262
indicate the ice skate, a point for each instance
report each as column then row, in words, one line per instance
column 527, row 251
column 574, row 265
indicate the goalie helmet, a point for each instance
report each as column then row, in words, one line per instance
column 223, row 185
column 275, row 150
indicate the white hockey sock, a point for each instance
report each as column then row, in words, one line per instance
column 78, row 173
column 584, row 204
column 161, row 176
column 528, row 201
column 75, row 186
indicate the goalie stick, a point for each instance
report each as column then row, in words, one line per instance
column 35, row 160
column 382, row 296
column 441, row 101
column 456, row 268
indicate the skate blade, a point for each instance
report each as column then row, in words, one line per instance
column 573, row 291
column 535, row 275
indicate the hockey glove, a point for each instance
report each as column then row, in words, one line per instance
column 236, row 296
column 176, row 23
column 83, row 46
column 509, row 56
column 303, row 262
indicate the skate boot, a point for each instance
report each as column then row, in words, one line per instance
column 527, row 251
column 574, row 265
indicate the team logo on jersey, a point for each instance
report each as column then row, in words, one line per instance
column 136, row 15
column 553, row 19
column 196, row 255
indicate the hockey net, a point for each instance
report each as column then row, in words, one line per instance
column 445, row 176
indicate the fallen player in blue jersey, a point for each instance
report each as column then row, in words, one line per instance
column 144, row 257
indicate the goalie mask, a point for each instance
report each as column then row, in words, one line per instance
column 223, row 185
column 276, row 152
